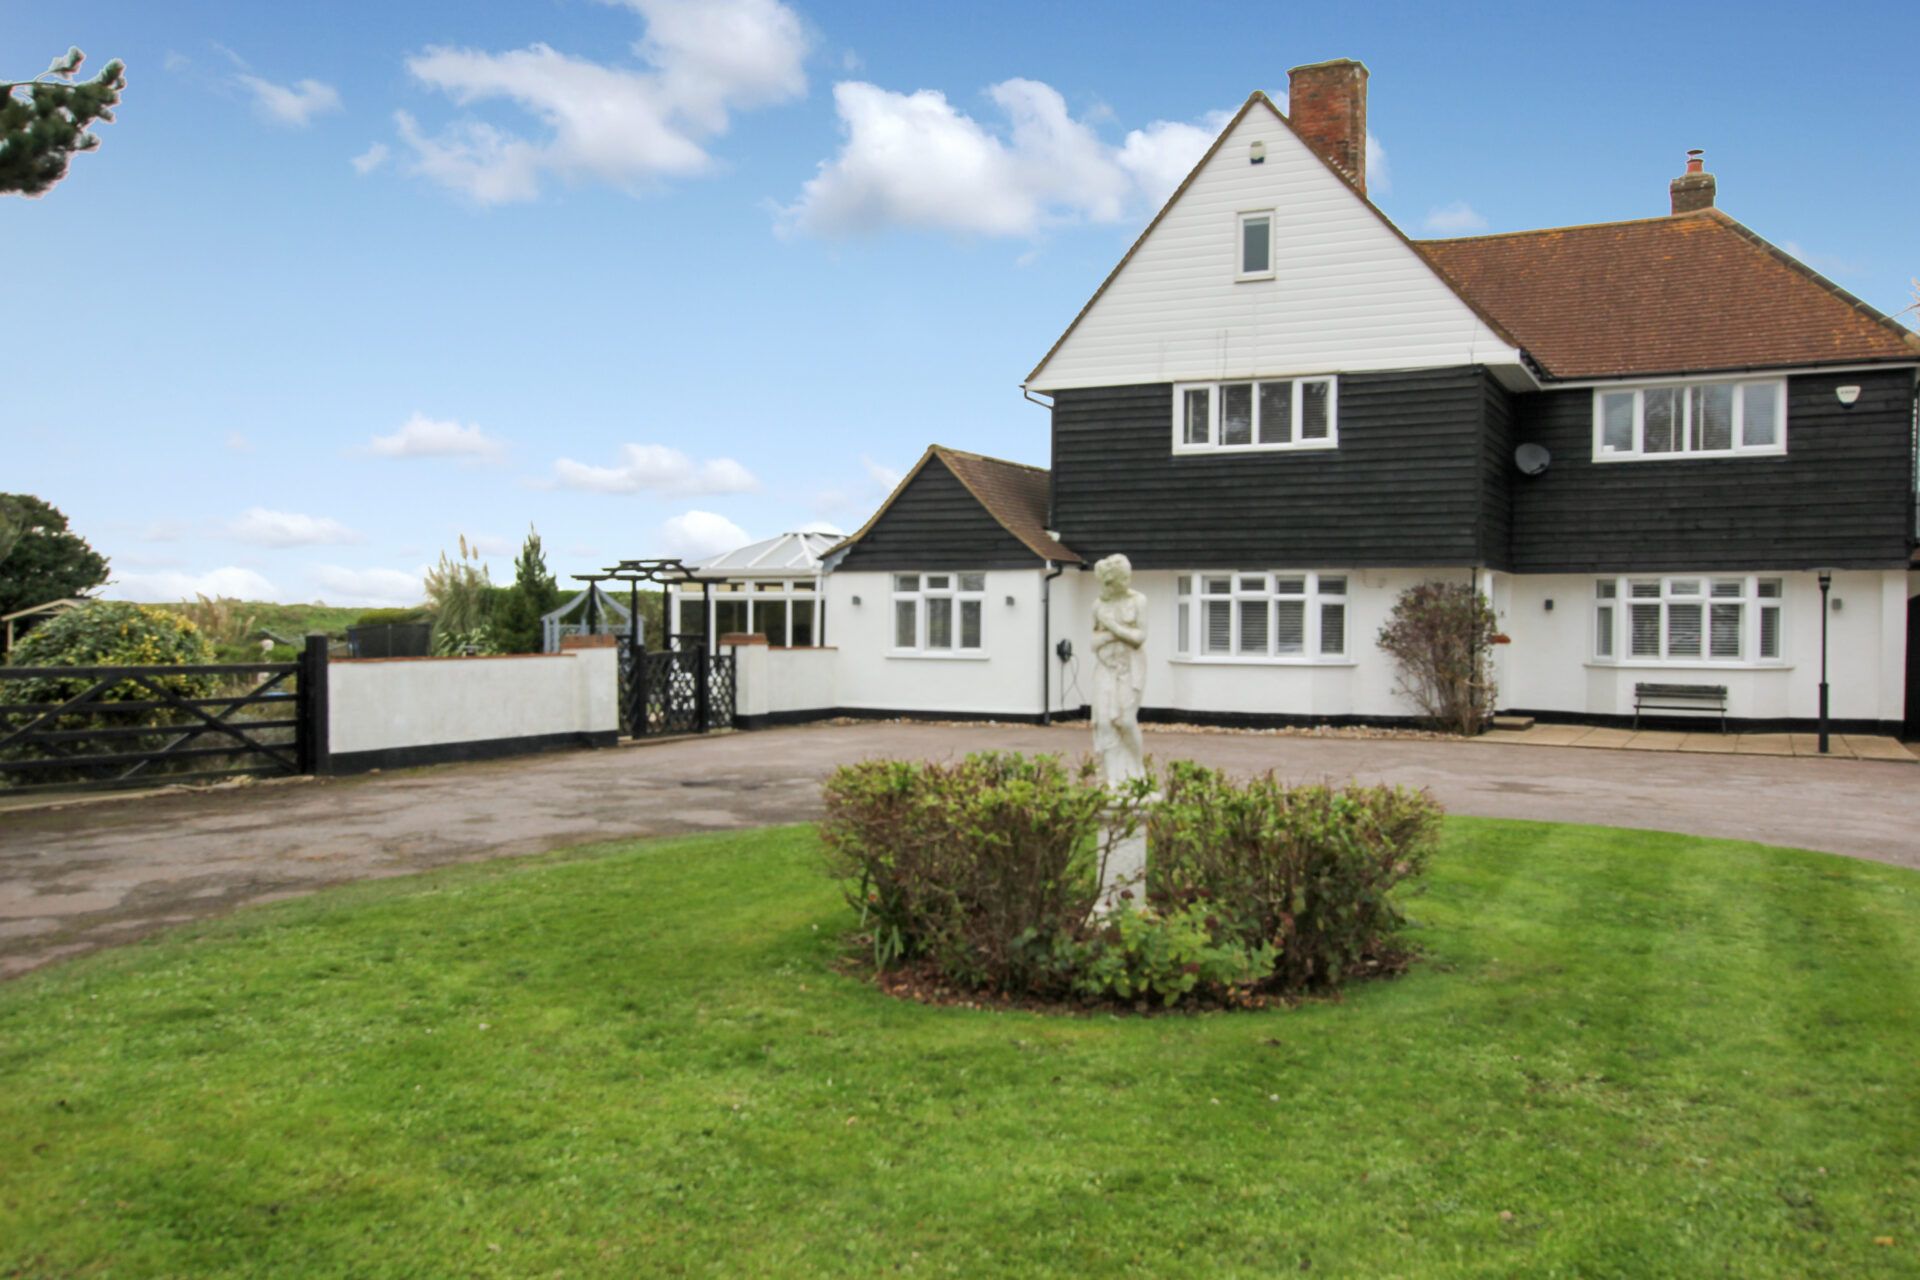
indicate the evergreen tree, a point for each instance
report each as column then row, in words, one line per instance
column 40, row 133
column 516, row 619
column 46, row 560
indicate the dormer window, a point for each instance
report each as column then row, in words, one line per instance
column 1256, row 245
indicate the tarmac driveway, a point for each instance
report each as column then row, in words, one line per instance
column 93, row 874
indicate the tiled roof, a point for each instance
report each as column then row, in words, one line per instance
column 1692, row 292
column 1013, row 493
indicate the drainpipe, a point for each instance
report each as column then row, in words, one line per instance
column 1046, row 640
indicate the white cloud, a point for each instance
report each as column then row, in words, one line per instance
column 166, row 588
column 265, row 528
column 657, row 468
column 424, row 437
column 238, row 443
column 295, row 104
column 695, row 535
column 886, row 477
column 1455, row 219
column 821, row 526
column 622, row 125
column 370, row 159
column 1379, row 172
column 914, row 160
column 370, row 586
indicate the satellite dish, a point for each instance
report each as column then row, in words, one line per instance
column 1532, row 459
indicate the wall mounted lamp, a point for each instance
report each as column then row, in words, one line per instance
column 1846, row 395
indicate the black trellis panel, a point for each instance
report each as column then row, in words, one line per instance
column 674, row 691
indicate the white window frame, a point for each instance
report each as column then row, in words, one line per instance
column 1686, row 387
column 1612, row 619
column 1240, row 222
column 1191, row 598
column 937, row 584
column 1215, row 397
column 790, row 591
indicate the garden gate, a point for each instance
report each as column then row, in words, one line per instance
column 681, row 687
column 90, row 728
column 684, row 689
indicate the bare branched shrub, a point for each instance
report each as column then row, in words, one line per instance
column 1442, row 635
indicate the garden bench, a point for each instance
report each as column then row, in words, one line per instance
column 1680, row 697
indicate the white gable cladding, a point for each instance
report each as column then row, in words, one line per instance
column 1347, row 294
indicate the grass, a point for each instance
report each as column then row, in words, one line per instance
column 1627, row 1054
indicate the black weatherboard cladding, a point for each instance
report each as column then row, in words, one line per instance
column 1404, row 487
column 1842, row 496
column 936, row 523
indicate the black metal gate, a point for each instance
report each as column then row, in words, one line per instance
column 684, row 689
column 84, row 728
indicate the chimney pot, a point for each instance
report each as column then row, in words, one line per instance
column 1327, row 106
column 1694, row 189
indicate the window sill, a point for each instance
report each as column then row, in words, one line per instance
column 1228, row 450
column 1644, row 665
column 1691, row 455
column 1231, row 661
column 908, row 655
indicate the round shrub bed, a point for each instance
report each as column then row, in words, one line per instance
column 980, row 878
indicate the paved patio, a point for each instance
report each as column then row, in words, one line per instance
column 1844, row 746
column 91, row 875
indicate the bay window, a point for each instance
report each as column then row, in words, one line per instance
column 1246, row 616
column 939, row 614
column 1691, row 419
column 1255, row 414
column 1688, row 620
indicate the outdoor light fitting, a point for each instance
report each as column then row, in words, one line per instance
column 1846, row 395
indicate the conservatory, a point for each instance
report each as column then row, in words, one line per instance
column 769, row 588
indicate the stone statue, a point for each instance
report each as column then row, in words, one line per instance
column 1120, row 671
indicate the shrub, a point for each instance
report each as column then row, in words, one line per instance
column 1309, row 869
column 1441, row 636
column 986, row 872
column 983, row 867
column 1138, row 953
column 111, row 633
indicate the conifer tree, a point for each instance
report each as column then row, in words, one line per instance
column 41, row 131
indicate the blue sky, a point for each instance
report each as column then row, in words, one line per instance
column 345, row 282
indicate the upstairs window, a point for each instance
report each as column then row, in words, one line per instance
column 1681, row 621
column 1256, row 245
column 1690, row 419
column 939, row 614
column 1274, row 413
column 1287, row 617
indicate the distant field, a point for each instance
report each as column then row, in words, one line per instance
column 294, row 619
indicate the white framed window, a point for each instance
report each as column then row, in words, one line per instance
column 1247, row 616
column 1689, row 620
column 1256, row 414
column 939, row 614
column 1255, row 245
column 1690, row 420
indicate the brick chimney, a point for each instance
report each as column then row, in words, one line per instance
column 1327, row 105
column 1693, row 189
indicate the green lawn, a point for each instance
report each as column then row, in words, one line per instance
column 1626, row 1055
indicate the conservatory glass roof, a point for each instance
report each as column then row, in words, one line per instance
column 788, row 555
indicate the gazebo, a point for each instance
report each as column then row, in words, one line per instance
column 592, row 612
column 769, row 588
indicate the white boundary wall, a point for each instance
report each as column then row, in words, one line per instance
column 391, row 711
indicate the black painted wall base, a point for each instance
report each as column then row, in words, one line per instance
column 1273, row 720
column 1709, row 723
column 349, row 762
